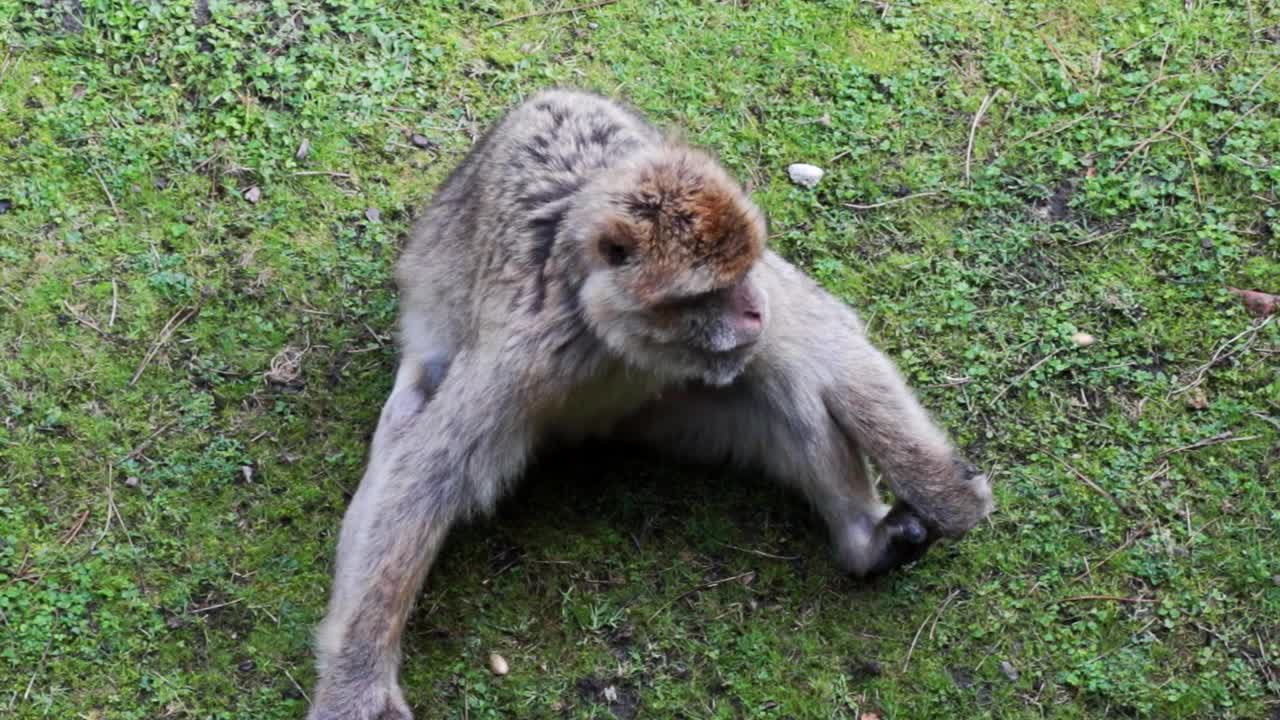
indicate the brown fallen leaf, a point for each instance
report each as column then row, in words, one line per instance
column 1256, row 302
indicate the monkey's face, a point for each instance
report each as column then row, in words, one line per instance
column 708, row 336
column 670, row 244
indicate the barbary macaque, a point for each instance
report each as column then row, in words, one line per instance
column 578, row 274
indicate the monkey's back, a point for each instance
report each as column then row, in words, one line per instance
column 481, row 249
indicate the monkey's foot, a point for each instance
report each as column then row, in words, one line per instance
column 905, row 536
column 353, row 701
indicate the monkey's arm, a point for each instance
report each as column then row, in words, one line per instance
column 430, row 464
column 874, row 408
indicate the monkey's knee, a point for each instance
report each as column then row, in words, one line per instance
column 855, row 541
column 416, row 383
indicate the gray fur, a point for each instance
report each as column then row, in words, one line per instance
column 579, row 274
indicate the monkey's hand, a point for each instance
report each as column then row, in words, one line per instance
column 906, row 532
column 951, row 502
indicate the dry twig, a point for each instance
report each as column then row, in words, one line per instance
column 761, row 553
column 209, row 608
column 1220, row 438
column 1110, row 598
column 326, row 173
column 973, row 131
column 1067, row 68
column 75, row 528
column 936, row 614
column 1025, row 373
column 174, row 323
column 699, row 588
column 1146, row 142
column 110, row 199
column 296, row 686
column 895, row 201
column 556, row 11
column 1089, row 483
column 135, row 453
column 115, row 297
column 1221, row 354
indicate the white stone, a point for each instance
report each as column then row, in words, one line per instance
column 498, row 664
column 805, row 175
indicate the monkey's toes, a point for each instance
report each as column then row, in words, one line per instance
column 909, row 529
column 907, row 539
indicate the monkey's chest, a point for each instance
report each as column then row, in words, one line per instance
column 594, row 408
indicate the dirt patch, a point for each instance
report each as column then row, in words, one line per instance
column 68, row 14
column 622, row 699
column 861, row 671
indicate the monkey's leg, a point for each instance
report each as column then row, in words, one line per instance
column 873, row 406
column 764, row 426
column 426, row 470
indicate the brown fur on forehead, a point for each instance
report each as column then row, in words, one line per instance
column 683, row 212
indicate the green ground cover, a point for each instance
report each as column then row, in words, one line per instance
column 188, row 378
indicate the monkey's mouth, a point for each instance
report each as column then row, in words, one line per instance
column 722, row 368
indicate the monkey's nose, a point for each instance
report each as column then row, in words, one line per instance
column 748, row 327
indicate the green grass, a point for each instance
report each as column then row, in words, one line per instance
column 165, row 544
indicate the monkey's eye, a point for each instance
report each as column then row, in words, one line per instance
column 614, row 252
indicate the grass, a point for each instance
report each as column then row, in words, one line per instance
column 188, row 379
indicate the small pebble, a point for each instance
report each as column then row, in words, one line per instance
column 253, row 194
column 372, row 214
column 1083, row 339
column 1196, row 399
column 805, row 175
column 131, row 481
column 420, row 141
column 498, row 664
column 1009, row 670
column 304, row 147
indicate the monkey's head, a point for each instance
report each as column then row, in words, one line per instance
column 670, row 242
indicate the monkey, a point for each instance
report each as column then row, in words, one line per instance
column 814, row 402
column 581, row 273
